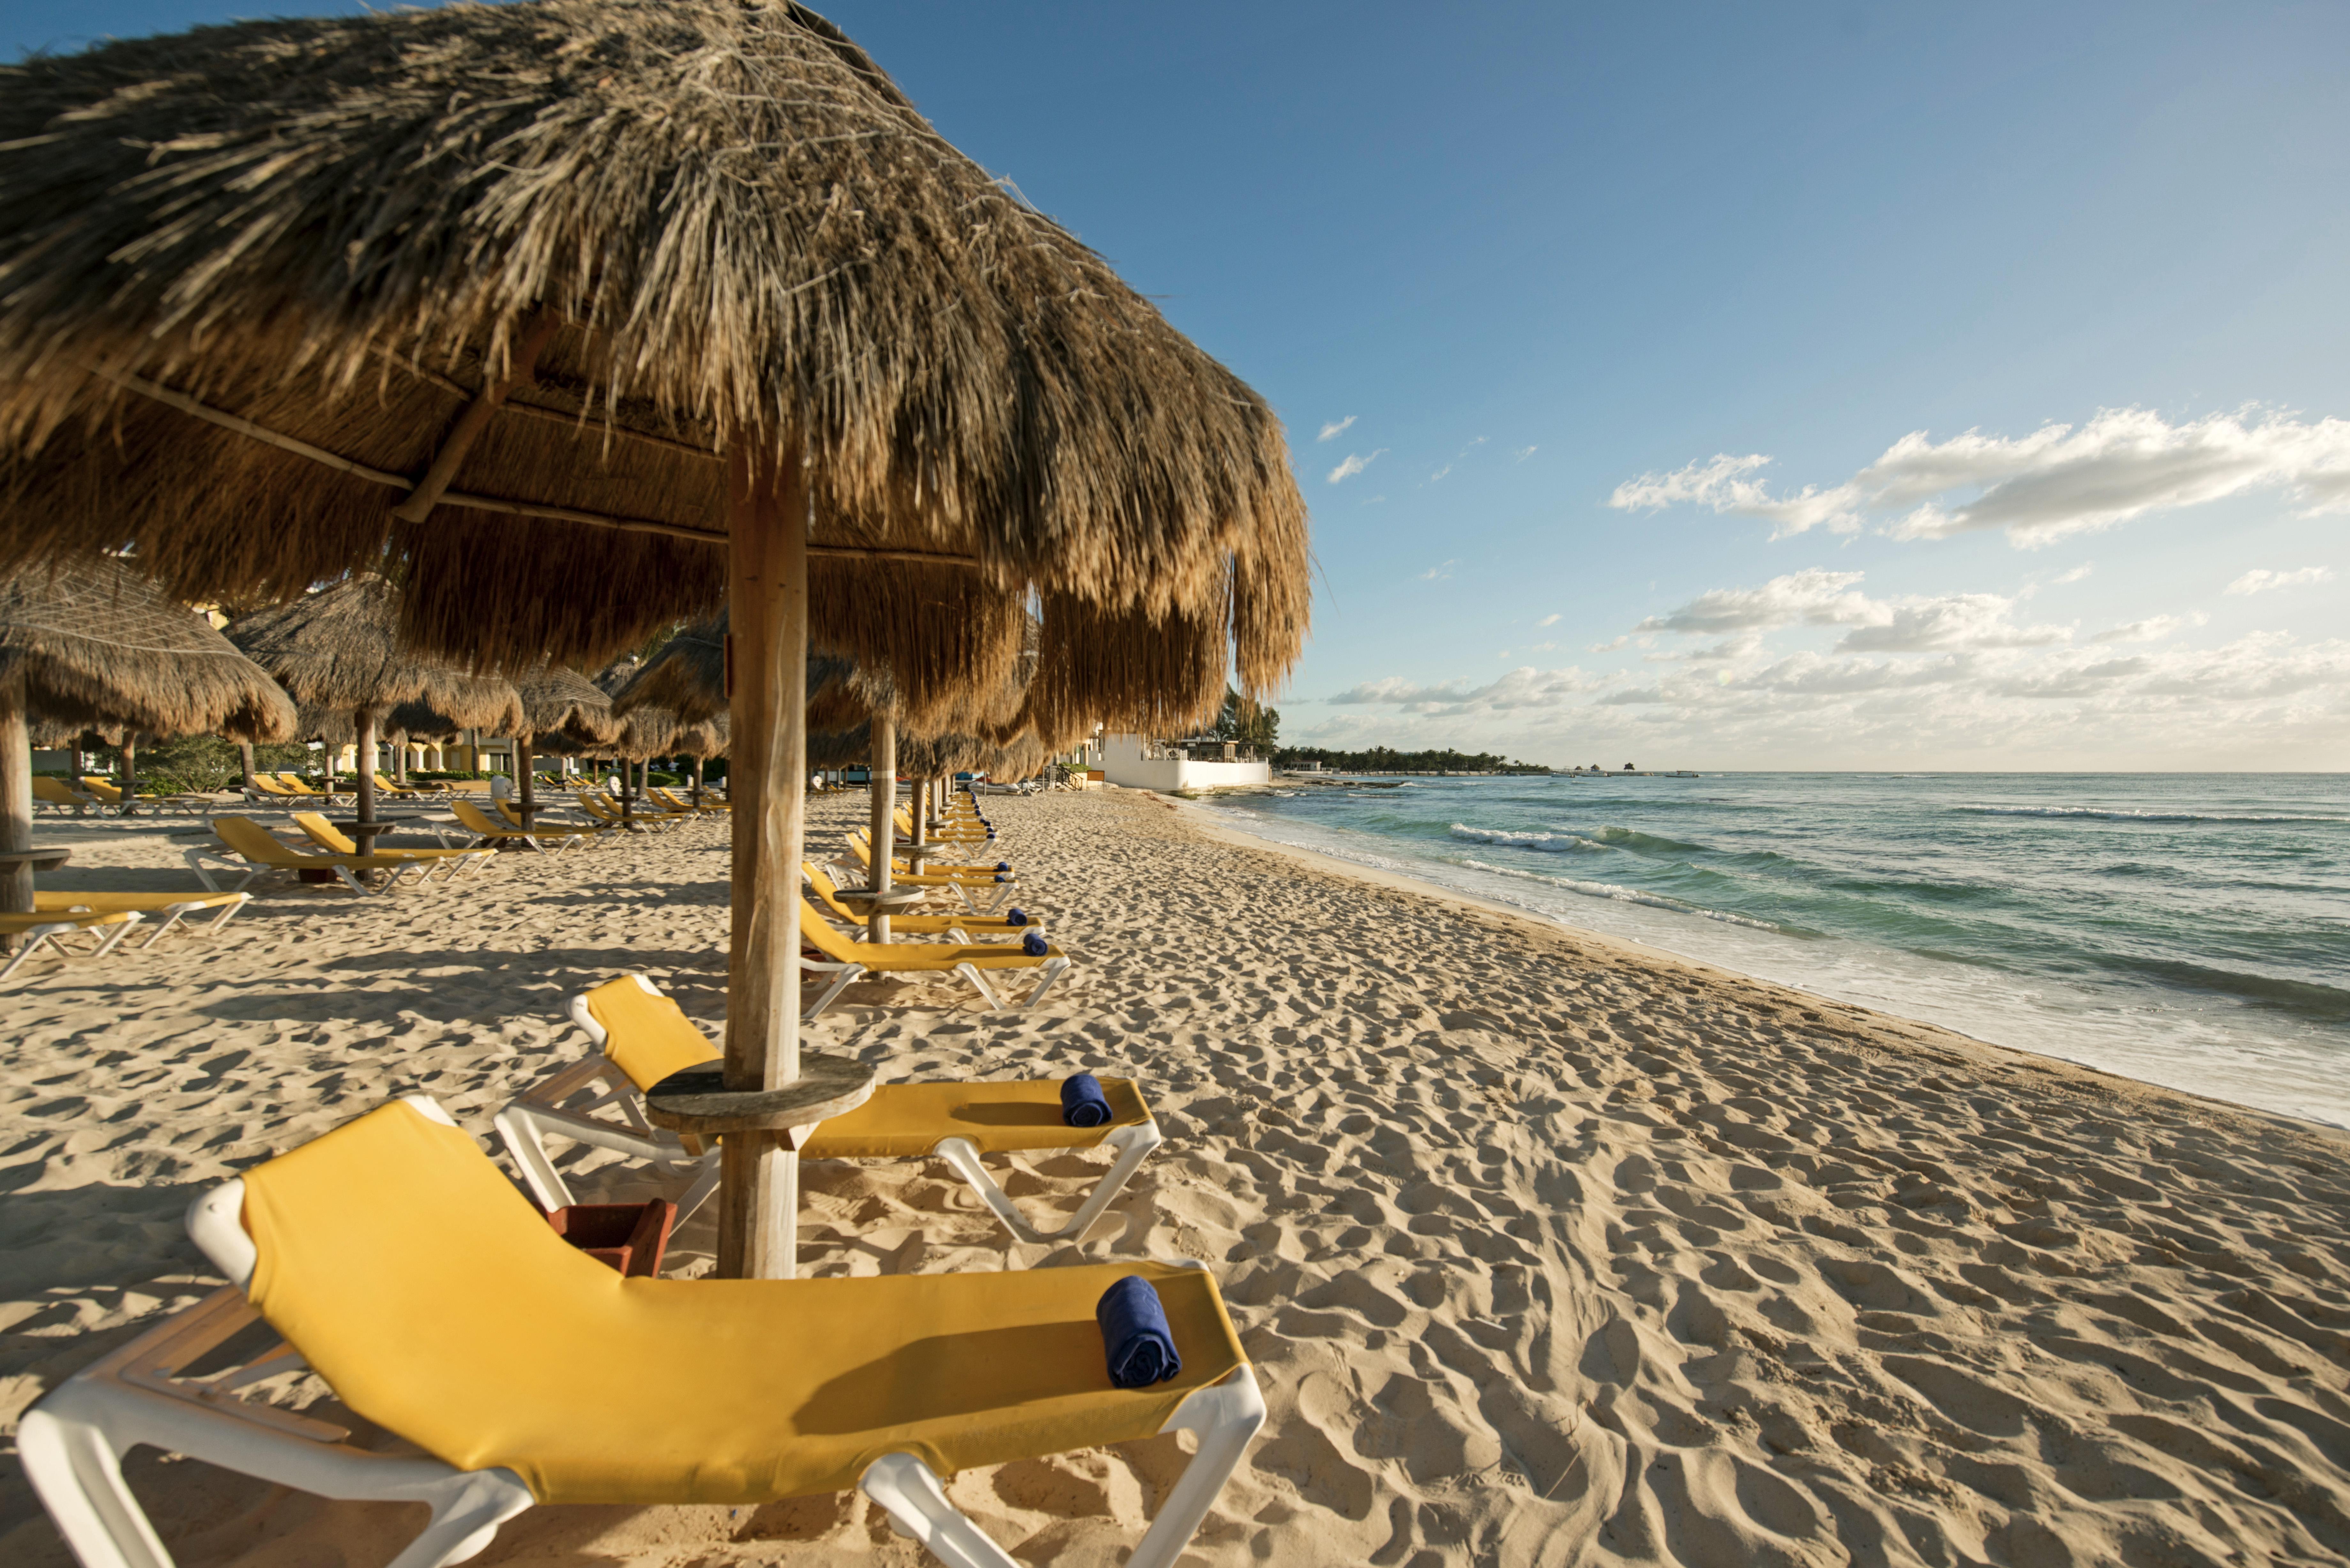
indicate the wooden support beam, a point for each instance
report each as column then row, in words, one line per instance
column 16, row 795
column 523, row 360
column 767, row 512
column 883, row 787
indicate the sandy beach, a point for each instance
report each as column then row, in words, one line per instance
column 1547, row 1248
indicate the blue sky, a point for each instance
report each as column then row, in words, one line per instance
column 2036, row 313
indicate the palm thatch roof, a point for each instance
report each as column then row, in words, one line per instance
column 340, row 648
column 100, row 647
column 419, row 722
column 557, row 700
column 533, row 275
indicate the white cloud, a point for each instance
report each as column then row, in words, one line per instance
column 2153, row 629
column 2260, row 579
column 1353, row 465
column 1547, row 620
column 1609, row 647
column 1524, row 452
column 2263, row 699
column 1813, row 595
column 2060, row 480
column 1439, row 474
column 1438, row 574
column 1334, row 427
column 1725, row 485
column 2075, row 574
column 1542, row 648
column 1524, row 688
column 1911, row 624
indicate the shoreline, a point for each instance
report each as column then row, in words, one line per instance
column 1542, row 922
column 1216, row 824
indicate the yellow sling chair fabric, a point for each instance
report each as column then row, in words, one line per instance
column 648, row 1037
column 907, row 958
column 432, row 1296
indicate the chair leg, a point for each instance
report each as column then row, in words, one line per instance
column 918, row 1507
column 970, row 973
column 1133, row 1145
column 172, row 917
column 34, row 941
column 114, row 934
column 1054, row 969
column 850, row 975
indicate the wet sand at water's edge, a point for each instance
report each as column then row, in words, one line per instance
column 1546, row 1248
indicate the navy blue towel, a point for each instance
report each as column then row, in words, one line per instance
column 1004, row 866
column 1034, row 945
column 1015, row 915
column 1002, row 878
column 1082, row 1104
column 1134, row 1332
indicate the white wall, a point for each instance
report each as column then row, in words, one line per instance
column 1122, row 763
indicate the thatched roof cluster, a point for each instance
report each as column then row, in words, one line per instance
column 560, row 702
column 100, row 648
column 339, row 650
column 262, row 277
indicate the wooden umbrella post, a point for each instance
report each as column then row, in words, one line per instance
column 525, row 787
column 16, row 796
column 130, row 784
column 363, row 767
column 758, row 1189
column 884, row 835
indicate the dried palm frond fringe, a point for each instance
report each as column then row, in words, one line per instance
column 256, row 273
column 101, row 647
column 340, row 648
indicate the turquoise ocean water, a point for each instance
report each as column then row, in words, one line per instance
column 2186, row 929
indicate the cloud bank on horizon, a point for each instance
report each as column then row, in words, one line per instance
column 2060, row 480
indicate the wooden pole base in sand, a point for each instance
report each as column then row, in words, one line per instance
column 767, row 519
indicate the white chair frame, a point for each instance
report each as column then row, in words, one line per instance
column 72, row 1441
column 526, row 1123
column 51, row 934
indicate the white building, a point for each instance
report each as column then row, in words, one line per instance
column 1139, row 762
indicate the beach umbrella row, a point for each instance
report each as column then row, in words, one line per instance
column 96, row 645
column 596, row 314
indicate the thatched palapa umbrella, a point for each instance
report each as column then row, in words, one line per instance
column 339, row 651
column 97, row 645
column 562, row 703
column 597, row 313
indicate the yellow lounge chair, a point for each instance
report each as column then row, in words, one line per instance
column 644, row 1038
column 108, row 794
column 679, row 803
column 295, row 787
column 849, row 961
column 173, row 907
column 578, row 833
column 335, row 841
column 399, row 792
column 403, row 1270
column 476, row 821
column 59, row 796
column 959, row 927
column 956, row 829
column 49, row 928
column 606, row 810
column 266, row 789
column 251, row 848
column 997, row 885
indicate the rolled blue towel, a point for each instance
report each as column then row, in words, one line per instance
column 1033, row 944
column 1004, row 866
column 1015, row 915
column 1082, row 1104
column 1002, row 878
column 1134, row 1332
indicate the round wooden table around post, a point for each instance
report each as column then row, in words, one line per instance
column 768, row 522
